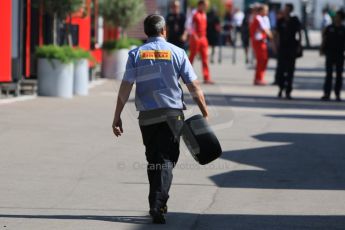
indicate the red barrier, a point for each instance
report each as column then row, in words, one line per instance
column 5, row 41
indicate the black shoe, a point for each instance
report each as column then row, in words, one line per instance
column 280, row 94
column 338, row 98
column 325, row 98
column 164, row 210
column 288, row 96
column 157, row 216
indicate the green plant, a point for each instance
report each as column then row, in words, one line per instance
column 51, row 52
column 135, row 42
column 77, row 53
column 83, row 54
column 109, row 45
column 65, row 54
column 122, row 43
column 69, row 52
column 123, row 13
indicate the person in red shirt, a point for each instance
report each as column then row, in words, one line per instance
column 198, row 39
column 259, row 33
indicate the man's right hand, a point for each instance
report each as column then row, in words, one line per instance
column 117, row 127
column 122, row 98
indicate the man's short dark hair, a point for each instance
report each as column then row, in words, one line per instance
column 154, row 25
column 290, row 6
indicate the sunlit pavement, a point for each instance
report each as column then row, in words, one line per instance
column 282, row 166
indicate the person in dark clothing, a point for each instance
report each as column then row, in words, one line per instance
column 333, row 46
column 213, row 31
column 245, row 33
column 227, row 27
column 279, row 15
column 288, row 39
column 175, row 22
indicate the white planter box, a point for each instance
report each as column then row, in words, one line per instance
column 81, row 77
column 55, row 79
column 114, row 63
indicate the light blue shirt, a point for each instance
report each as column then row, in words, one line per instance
column 156, row 68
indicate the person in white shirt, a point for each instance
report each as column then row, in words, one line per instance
column 237, row 21
column 189, row 21
column 238, row 17
column 326, row 19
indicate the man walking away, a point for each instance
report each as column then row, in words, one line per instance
column 289, row 42
column 333, row 46
column 156, row 68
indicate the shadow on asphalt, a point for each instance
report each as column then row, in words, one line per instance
column 254, row 101
column 313, row 81
column 176, row 220
column 308, row 117
column 297, row 69
column 119, row 219
column 301, row 161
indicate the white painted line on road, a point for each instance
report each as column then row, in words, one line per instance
column 17, row 99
